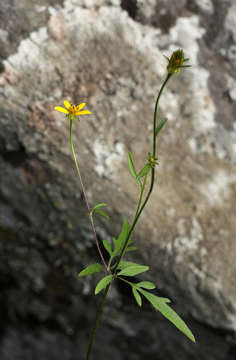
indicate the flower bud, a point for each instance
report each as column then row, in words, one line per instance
column 175, row 63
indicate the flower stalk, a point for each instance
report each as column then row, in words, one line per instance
column 86, row 201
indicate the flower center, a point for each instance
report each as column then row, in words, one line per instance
column 72, row 109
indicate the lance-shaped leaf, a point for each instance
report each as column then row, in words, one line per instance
column 98, row 206
column 145, row 170
column 124, row 264
column 131, row 248
column 107, row 246
column 146, row 285
column 161, row 305
column 133, row 170
column 119, row 243
column 160, row 126
column 133, row 270
column 91, row 269
column 124, row 233
column 103, row 283
column 137, row 296
column 102, row 213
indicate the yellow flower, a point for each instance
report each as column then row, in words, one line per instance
column 72, row 110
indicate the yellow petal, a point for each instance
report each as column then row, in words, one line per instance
column 67, row 104
column 81, row 106
column 61, row 109
column 84, row 112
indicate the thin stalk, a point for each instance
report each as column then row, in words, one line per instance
column 152, row 178
column 155, row 113
column 99, row 313
column 141, row 194
column 126, row 281
column 86, row 200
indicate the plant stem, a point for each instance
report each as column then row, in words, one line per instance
column 99, row 313
column 152, row 178
column 141, row 194
column 155, row 113
column 137, row 215
column 86, row 201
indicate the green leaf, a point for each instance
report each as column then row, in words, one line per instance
column 107, row 246
column 91, row 269
column 102, row 213
column 145, row 170
column 119, row 243
column 124, row 233
column 98, row 206
column 146, row 285
column 124, row 264
column 161, row 305
column 103, row 283
column 131, row 248
column 160, row 126
column 132, row 169
column 133, row 270
column 131, row 166
column 137, row 296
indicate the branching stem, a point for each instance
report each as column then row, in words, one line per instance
column 139, row 210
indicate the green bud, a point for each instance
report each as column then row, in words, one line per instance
column 176, row 61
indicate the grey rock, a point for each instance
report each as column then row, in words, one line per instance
column 110, row 54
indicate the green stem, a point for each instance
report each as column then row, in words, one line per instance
column 126, row 281
column 86, row 200
column 155, row 113
column 137, row 215
column 152, row 178
column 99, row 313
column 141, row 194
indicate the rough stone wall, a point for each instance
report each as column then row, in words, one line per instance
column 110, row 54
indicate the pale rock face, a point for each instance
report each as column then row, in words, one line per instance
column 93, row 51
column 230, row 20
column 206, row 6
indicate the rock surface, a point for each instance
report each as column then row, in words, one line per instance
column 110, row 54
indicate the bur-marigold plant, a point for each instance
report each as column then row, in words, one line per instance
column 117, row 268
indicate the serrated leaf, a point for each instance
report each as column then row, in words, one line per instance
column 133, row 270
column 102, row 213
column 91, row 269
column 137, row 296
column 145, row 170
column 161, row 305
column 133, row 170
column 107, row 246
column 98, row 206
column 146, row 285
column 103, row 283
column 160, row 126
